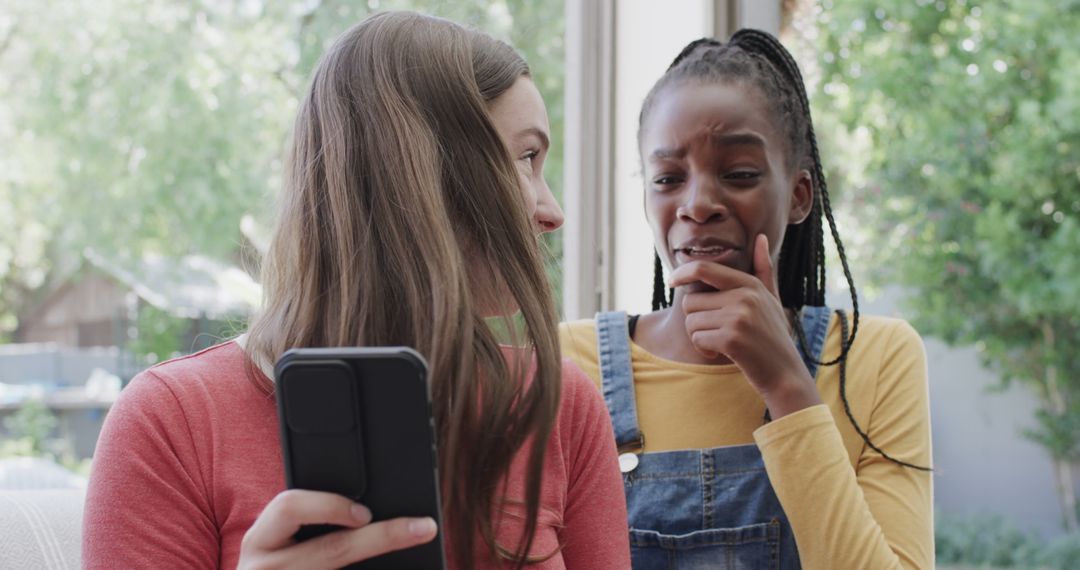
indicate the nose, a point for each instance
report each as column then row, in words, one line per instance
column 705, row 202
column 548, row 216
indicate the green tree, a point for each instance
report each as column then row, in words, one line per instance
column 955, row 130
column 154, row 126
column 30, row 429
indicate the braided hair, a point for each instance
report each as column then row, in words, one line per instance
column 759, row 59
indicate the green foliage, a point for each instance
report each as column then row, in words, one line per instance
column 160, row 335
column 154, row 126
column 1062, row 553
column 30, row 428
column 983, row 540
column 967, row 119
column 990, row 542
column 30, row 431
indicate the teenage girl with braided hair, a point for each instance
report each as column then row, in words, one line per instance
column 755, row 431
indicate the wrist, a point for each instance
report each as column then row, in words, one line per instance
column 791, row 395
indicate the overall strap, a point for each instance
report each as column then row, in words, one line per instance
column 815, row 324
column 617, row 378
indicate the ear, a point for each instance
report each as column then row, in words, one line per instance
column 802, row 198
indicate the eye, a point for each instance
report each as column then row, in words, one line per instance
column 743, row 176
column 665, row 181
column 529, row 157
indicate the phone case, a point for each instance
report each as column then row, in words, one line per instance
column 357, row 422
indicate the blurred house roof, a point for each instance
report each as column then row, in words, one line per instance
column 191, row 286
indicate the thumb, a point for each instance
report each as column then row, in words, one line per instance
column 763, row 266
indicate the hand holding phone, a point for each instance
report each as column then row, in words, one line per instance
column 357, row 422
column 269, row 542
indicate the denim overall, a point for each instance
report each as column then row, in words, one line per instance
column 699, row 508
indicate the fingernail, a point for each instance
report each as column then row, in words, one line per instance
column 422, row 527
column 361, row 513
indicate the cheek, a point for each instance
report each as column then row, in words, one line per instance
column 660, row 211
column 762, row 213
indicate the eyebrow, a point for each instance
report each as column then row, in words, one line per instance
column 720, row 139
column 545, row 141
column 737, row 139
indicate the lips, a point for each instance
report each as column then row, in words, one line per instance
column 713, row 249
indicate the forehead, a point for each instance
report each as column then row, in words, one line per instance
column 688, row 112
column 520, row 108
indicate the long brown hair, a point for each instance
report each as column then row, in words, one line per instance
column 398, row 189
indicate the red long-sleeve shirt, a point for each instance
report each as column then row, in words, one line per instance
column 190, row 454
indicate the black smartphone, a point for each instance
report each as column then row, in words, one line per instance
column 357, row 422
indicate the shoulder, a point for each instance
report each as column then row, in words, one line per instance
column 900, row 343
column 578, row 336
column 881, row 337
column 578, row 341
column 581, row 405
column 214, row 362
column 578, row 326
column 888, row 351
column 578, row 391
column 219, row 367
column 162, row 413
column 892, row 329
column 583, row 428
column 216, row 375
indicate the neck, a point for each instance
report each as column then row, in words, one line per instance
column 663, row 333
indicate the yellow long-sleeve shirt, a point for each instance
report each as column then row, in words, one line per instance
column 849, row 507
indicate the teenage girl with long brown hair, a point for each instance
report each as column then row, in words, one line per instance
column 410, row 214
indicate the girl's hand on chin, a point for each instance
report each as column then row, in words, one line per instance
column 744, row 320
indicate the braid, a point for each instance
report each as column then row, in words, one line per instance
column 814, row 293
column 847, row 406
column 777, row 54
column 659, row 301
column 759, row 58
column 690, row 47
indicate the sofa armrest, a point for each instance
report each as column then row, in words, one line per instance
column 41, row 528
